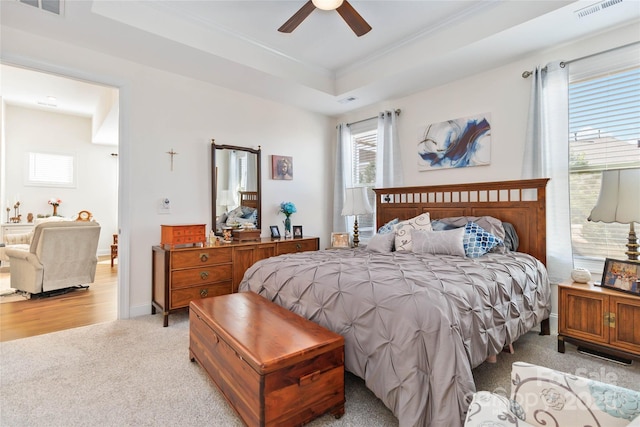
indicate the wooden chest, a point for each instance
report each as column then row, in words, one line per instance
column 183, row 235
column 274, row 367
column 246, row 235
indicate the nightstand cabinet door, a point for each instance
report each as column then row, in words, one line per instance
column 625, row 334
column 583, row 315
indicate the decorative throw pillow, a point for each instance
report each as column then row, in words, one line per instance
column 447, row 242
column 403, row 230
column 247, row 211
column 388, row 227
column 477, row 241
column 381, row 243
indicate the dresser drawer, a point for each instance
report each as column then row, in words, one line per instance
column 181, row 297
column 188, row 258
column 201, row 275
column 297, row 246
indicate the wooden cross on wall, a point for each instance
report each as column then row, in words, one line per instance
column 171, row 153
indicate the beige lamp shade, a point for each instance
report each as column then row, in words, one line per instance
column 619, row 199
column 356, row 202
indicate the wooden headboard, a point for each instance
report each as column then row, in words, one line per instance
column 249, row 198
column 521, row 203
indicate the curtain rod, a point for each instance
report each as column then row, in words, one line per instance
column 371, row 118
column 563, row 64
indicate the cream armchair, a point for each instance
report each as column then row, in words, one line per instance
column 61, row 255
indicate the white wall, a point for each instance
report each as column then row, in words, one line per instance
column 504, row 94
column 31, row 130
column 160, row 111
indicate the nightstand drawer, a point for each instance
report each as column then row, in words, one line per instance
column 294, row 245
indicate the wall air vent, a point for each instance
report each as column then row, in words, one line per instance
column 594, row 8
column 53, row 6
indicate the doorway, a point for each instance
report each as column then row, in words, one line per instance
column 53, row 114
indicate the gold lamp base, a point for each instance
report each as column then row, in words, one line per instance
column 632, row 244
column 356, row 239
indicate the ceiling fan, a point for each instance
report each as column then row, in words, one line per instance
column 348, row 13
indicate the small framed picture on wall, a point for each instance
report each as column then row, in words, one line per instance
column 282, row 167
column 297, row 232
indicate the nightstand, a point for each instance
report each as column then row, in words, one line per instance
column 599, row 319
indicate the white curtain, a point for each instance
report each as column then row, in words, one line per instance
column 388, row 161
column 233, row 178
column 342, row 176
column 547, row 156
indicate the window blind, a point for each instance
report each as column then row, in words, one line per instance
column 604, row 133
column 364, row 138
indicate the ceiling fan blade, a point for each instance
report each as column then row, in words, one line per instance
column 297, row 18
column 353, row 19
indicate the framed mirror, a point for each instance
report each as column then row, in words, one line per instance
column 235, row 186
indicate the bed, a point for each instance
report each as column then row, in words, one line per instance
column 246, row 211
column 416, row 324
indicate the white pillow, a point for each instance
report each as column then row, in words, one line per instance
column 446, row 242
column 403, row 230
column 381, row 243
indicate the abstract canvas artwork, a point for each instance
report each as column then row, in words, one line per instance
column 458, row 143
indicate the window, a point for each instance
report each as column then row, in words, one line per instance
column 50, row 170
column 604, row 133
column 364, row 140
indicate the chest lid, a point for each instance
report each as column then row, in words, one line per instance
column 267, row 336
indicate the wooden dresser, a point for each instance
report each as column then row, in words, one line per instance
column 598, row 318
column 180, row 275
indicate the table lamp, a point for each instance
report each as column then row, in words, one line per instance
column 619, row 201
column 356, row 203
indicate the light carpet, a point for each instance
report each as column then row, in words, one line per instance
column 137, row 373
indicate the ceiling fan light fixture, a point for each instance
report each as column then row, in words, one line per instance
column 327, row 4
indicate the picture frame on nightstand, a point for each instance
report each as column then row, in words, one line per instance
column 297, row 232
column 621, row 276
column 275, row 232
column 340, row 240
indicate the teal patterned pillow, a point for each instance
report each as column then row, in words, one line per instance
column 388, row 227
column 477, row 241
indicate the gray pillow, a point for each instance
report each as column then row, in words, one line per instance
column 446, row 242
column 381, row 243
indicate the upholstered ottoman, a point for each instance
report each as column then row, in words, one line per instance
column 274, row 367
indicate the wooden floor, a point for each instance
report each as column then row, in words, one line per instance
column 36, row 316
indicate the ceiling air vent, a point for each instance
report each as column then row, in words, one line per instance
column 594, row 8
column 53, row 6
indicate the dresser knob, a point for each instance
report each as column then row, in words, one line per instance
column 204, row 257
column 298, row 247
column 204, row 275
column 204, row 293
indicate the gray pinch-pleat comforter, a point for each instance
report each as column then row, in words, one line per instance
column 414, row 324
